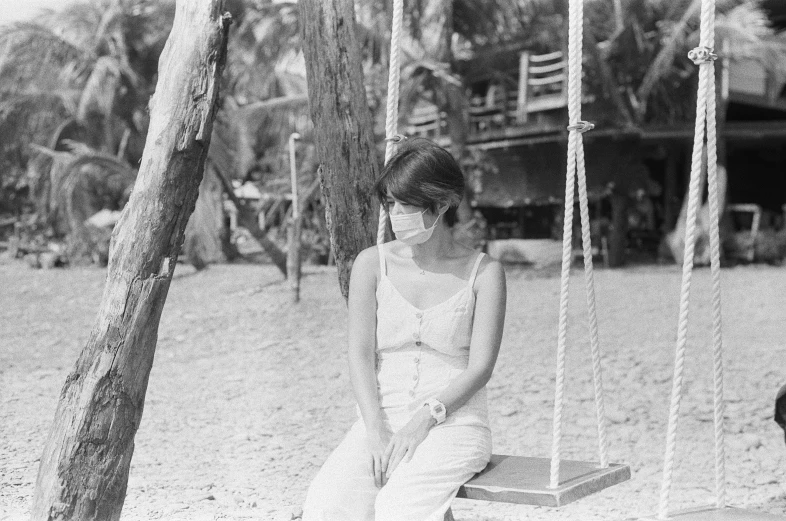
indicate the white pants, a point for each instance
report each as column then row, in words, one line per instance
column 419, row 490
column 423, row 488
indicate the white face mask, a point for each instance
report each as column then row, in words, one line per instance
column 410, row 228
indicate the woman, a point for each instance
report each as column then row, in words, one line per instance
column 425, row 324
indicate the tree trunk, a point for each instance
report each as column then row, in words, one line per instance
column 84, row 467
column 662, row 62
column 343, row 128
column 249, row 220
column 207, row 235
column 436, row 35
column 610, row 87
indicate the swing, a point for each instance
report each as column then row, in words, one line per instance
column 529, row 480
column 704, row 57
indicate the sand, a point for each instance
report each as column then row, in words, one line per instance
column 249, row 393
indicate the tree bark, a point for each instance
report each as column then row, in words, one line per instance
column 84, row 467
column 343, row 128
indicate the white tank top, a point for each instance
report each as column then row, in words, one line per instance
column 445, row 327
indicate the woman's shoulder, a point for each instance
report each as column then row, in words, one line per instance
column 490, row 271
column 368, row 257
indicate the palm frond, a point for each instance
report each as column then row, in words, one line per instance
column 267, row 124
column 743, row 23
column 98, row 94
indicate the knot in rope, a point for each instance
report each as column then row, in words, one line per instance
column 396, row 138
column 702, row 54
column 581, row 126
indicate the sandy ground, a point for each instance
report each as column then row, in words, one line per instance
column 249, row 393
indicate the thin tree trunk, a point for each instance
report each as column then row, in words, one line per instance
column 663, row 60
column 250, row 221
column 343, row 128
column 436, row 34
column 610, row 85
column 207, row 236
column 84, row 467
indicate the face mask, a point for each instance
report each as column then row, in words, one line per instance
column 410, row 228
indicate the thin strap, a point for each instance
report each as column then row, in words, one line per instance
column 382, row 270
column 475, row 270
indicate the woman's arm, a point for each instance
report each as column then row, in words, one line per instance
column 487, row 328
column 362, row 352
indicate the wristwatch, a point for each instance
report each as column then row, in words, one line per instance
column 437, row 409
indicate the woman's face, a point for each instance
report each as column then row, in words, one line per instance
column 396, row 207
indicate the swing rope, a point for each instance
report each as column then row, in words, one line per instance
column 704, row 57
column 391, row 117
column 576, row 167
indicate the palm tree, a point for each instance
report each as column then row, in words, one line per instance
column 90, row 68
column 646, row 53
column 97, row 59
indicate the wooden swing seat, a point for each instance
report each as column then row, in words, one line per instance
column 524, row 480
column 721, row 514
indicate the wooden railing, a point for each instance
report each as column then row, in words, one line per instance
column 541, row 86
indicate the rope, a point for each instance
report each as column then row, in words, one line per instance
column 597, row 374
column 391, row 117
column 705, row 115
column 717, row 337
column 576, row 168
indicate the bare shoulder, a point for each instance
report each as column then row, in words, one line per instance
column 491, row 273
column 366, row 263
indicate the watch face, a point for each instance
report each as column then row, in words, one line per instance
column 439, row 408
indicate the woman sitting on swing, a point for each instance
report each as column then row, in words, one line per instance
column 425, row 325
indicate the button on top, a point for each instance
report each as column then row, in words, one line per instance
column 419, row 315
column 416, row 336
column 417, row 359
column 418, row 343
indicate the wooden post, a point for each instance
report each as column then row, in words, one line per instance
column 84, row 467
column 670, row 188
column 521, row 103
column 293, row 233
column 619, row 229
column 343, row 128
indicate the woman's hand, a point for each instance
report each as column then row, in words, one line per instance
column 403, row 443
column 377, row 439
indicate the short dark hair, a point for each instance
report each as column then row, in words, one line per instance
column 423, row 174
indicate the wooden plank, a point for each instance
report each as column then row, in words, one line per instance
column 540, row 58
column 521, row 99
column 548, row 80
column 525, row 480
column 543, row 69
column 722, row 514
column 547, row 102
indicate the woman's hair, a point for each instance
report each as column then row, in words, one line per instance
column 423, row 174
